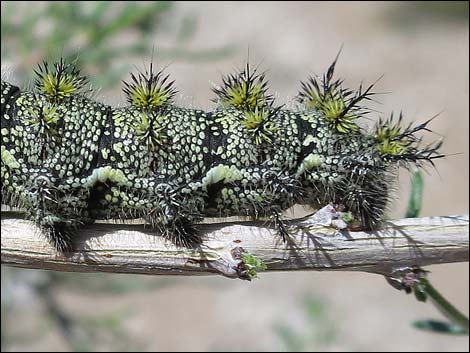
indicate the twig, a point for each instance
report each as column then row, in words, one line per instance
column 444, row 305
column 313, row 245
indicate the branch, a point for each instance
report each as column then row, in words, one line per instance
column 314, row 245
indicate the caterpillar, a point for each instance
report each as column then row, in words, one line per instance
column 68, row 160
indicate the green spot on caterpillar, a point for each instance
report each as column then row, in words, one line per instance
column 8, row 159
column 221, row 173
column 309, row 162
column 106, row 174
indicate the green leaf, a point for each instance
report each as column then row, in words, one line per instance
column 416, row 196
column 440, row 327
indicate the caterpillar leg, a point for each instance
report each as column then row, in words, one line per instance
column 260, row 193
column 284, row 191
column 177, row 209
column 170, row 209
column 366, row 198
column 57, row 206
column 58, row 211
column 280, row 225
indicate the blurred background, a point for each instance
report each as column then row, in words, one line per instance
column 420, row 47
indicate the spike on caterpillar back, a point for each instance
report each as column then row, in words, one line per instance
column 68, row 160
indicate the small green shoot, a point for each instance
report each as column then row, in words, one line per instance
column 459, row 322
column 253, row 265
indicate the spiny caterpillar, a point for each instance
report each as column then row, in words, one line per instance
column 68, row 160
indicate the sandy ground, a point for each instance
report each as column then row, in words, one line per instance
column 426, row 70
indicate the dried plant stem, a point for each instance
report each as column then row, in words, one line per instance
column 312, row 246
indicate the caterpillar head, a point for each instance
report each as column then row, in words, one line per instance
column 358, row 168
